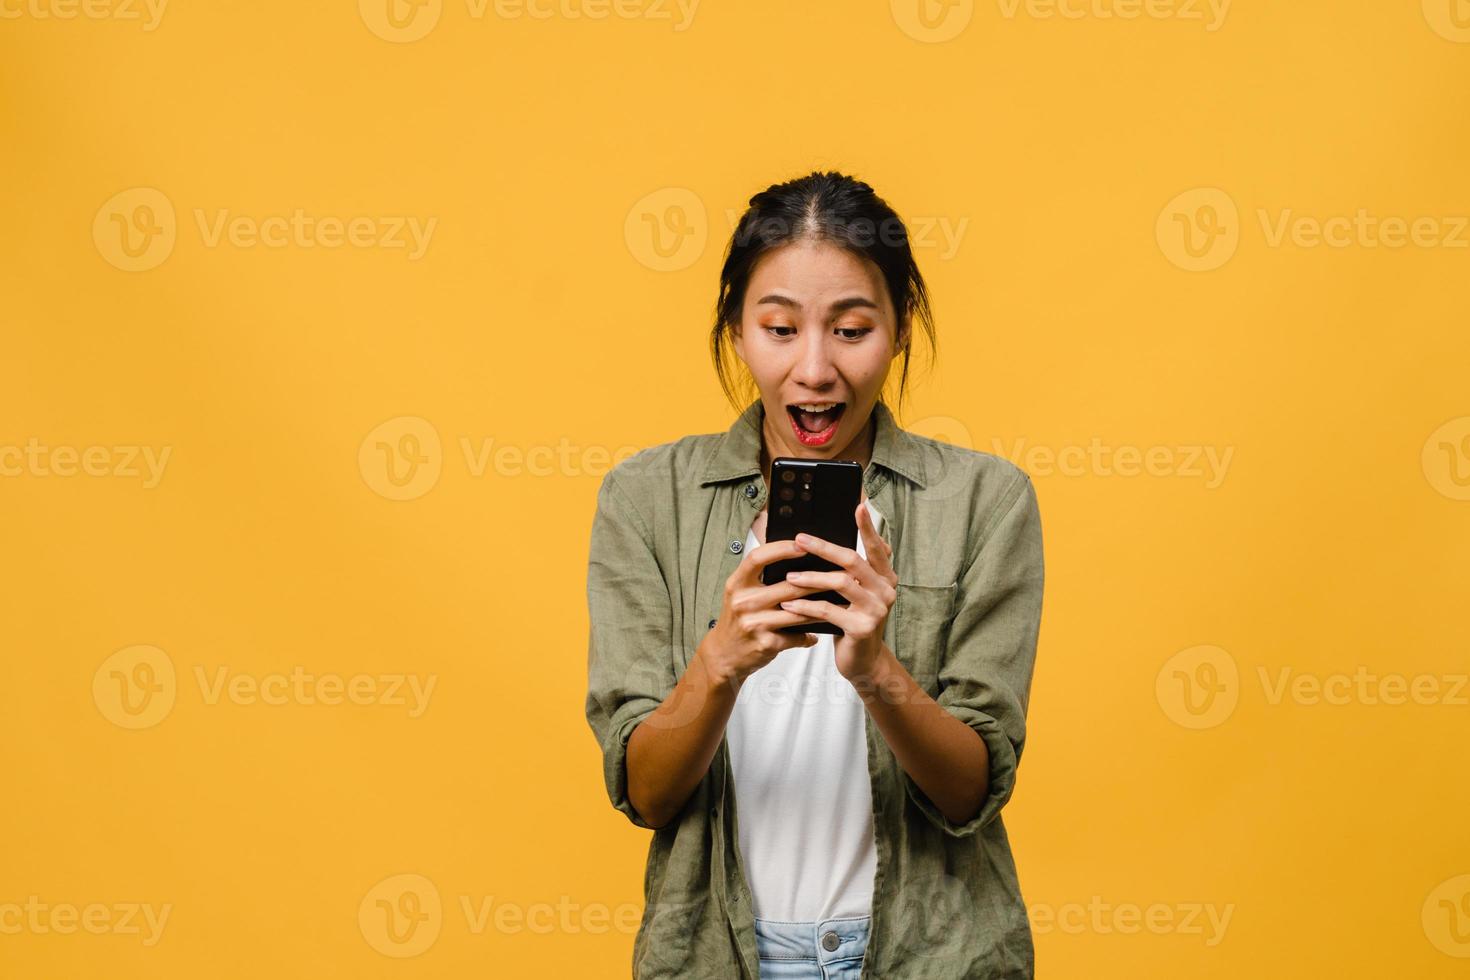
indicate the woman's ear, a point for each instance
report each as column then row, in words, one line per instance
column 737, row 341
column 901, row 342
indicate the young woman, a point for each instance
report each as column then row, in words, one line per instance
column 821, row 808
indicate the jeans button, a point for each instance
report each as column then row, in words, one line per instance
column 830, row 942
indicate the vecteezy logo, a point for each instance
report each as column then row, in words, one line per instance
column 135, row 687
column 660, row 951
column 1446, row 916
column 136, row 229
column 1446, row 458
column 401, row 916
column 400, row 21
column 1199, row 230
column 1450, row 19
column 666, row 230
column 935, row 917
column 402, row 458
column 945, row 478
column 1198, row 687
column 932, row 21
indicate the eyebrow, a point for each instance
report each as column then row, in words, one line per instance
column 842, row 305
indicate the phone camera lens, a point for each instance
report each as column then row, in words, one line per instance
column 787, row 476
column 806, row 495
column 784, row 510
column 787, row 493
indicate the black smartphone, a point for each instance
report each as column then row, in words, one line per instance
column 817, row 497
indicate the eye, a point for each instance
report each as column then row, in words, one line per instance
column 858, row 333
column 773, row 328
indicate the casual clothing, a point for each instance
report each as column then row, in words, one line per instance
column 964, row 526
column 799, row 768
column 828, row 949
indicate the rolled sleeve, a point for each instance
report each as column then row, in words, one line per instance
column 985, row 673
column 629, row 663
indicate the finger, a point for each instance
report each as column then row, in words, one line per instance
column 827, row 612
column 835, row 553
column 842, row 583
column 873, row 542
column 842, row 557
column 798, row 641
column 770, row 596
column 883, row 543
column 772, row 551
column 776, row 618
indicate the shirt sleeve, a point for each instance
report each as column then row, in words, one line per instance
column 629, row 663
column 985, row 674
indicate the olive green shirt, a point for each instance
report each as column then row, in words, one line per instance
column 669, row 529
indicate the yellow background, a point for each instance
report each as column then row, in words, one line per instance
column 544, row 314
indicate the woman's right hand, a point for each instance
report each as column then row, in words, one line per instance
column 745, row 637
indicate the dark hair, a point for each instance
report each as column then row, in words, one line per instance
column 830, row 207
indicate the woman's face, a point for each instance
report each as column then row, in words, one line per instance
column 818, row 334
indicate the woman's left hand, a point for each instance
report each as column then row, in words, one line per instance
column 868, row 583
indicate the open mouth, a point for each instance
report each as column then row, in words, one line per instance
column 815, row 423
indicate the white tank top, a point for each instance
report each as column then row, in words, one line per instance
column 799, row 760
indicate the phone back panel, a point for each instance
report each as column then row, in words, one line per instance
column 817, row 497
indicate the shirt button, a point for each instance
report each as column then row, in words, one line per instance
column 751, row 491
column 711, row 625
column 830, row 942
column 736, row 547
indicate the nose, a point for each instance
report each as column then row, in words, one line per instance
column 814, row 367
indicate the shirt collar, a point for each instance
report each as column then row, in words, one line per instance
column 738, row 452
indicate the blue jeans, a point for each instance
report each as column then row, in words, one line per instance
column 831, row 949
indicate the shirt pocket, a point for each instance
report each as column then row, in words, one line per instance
column 922, row 616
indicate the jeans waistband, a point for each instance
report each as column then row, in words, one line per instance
column 823, row 941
